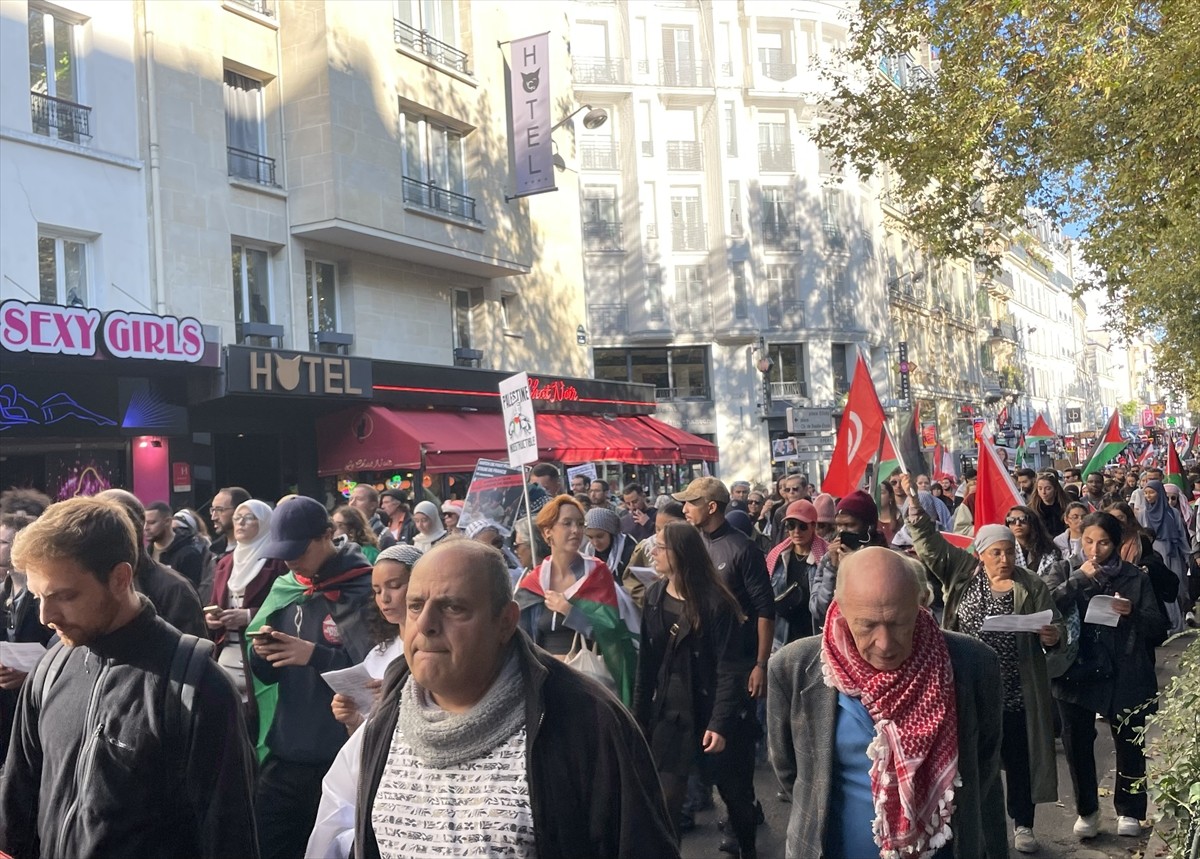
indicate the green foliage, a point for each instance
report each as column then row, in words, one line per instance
column 1129, row 410
column 1087, row 111
column 1173, row 758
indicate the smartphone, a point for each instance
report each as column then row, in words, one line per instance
column 212, row 609
column 263, row 636
column 853, row 540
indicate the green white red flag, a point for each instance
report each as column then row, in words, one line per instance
column 1110, row 444
column 1040, row 431
column 1174, row 470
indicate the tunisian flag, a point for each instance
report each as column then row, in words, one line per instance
column 858, row 436
column 995, row 492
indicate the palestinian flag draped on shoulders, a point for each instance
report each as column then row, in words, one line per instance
column 1111, row 443
column 609, row 614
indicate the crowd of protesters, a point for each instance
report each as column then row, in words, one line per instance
column 578, row 684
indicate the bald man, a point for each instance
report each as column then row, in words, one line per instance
column 880, row 638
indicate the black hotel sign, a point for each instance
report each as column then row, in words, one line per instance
column 296, row 374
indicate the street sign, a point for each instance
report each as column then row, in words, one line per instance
column 1074, row 416
column 1147, row 417
column 810, row 420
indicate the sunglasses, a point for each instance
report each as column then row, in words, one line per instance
column 1017, row 520
column 244, row 518
column 793, row 525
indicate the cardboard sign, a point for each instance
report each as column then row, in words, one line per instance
column 496, row 493
column 520, row 429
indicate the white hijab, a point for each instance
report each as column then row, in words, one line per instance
column 247, row 562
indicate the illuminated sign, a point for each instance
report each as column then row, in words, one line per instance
column 557, row 391
column 50, row 329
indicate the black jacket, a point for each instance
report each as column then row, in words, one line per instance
column 187, row 555
column 709, row 662
column 304, row 730
column 19, row 621
column 173, row 597
column 743, row 568
column 593, row 790
column 111, row 783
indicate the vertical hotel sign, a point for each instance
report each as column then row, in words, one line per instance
column 529, row 97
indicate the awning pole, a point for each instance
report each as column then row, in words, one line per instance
column 533, row 554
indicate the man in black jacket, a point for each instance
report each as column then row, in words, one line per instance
column 313, row 621
column 519, row 754
column 110, row 755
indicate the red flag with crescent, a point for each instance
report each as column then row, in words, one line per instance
column 858, row 436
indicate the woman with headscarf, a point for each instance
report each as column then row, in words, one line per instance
column 428, row 522
column 569, row 593
column 964, row 516
column 1166, row 525
column 993, row 584
column 1113, row 675
column 605, row 540
column 241, row 582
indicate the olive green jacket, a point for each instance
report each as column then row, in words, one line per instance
column 954, row 568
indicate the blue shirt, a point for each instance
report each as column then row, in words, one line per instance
column 853, row 811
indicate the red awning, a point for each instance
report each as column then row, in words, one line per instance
column 691, row 447
column 378, row 438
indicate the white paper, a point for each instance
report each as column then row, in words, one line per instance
column 20, row 656
column 645, row 575
column 1100, row 611
column 1017, row 622
column 352, row 682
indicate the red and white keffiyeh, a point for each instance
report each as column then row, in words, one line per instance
column 914, row 755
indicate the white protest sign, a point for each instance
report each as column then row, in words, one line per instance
column 520, row 431
column 588, row 470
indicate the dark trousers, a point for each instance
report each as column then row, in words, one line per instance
column 285, row 807
column 733, row 773
column 1079, row 742
column 1014, row 754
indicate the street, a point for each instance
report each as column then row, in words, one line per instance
column 1053, row 825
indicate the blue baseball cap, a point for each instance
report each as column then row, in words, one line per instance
column 295, row 523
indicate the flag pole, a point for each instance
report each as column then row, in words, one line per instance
column 533, row 552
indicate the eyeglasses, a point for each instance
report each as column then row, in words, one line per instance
column 790, row 489
column 244, row 518
column 1017, row 520
column 753, row 501
column 217, row 511
column 444, row 515
column 795, row 526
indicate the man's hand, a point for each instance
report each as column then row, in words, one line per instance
column 235, row 618
column 757, row 687
column 640, row 517
column 283, row 650
column 712, row 743
column 1049, row 635
column 11, row 679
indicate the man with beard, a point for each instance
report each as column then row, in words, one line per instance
column 173, row 541
column 146, row 756
column 221, row 510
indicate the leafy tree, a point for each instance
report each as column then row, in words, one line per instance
column 1087, row 110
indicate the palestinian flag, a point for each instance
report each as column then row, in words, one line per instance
column 1173, row 473
column 1040, row 431
column 888, row 459
column 1021, row 452
column 1111, row 443
column 607, row 609
column 1192, row 446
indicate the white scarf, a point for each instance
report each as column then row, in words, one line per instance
column 247, row 562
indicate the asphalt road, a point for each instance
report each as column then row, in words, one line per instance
column 1053, row 823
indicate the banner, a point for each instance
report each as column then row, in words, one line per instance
column 520, row 427
column 588, row 470
column 529, row 101
column 495, row 493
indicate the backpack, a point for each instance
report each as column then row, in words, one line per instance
column 187, row 667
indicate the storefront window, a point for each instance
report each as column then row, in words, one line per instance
column 689, row 373
column 611, row 364
column 649, row 367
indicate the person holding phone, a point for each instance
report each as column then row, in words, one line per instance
column 856, row 524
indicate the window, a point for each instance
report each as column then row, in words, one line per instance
column 679, row 58
column 251, row 285
column 654, row 297
column 735, row 208
column 598, row 146
column 691, row 298
column 650, row 367
column 778, row 214
column 508, row 311
column 649, row 210
column 731, row 148
column 320, row 279
column 432, row 163
column 430, row 27
column 460, row 309
column 683, row 148
column 245, row 131
column 774, row 55
column 828, row 164
column 783, row 308
column 680, row 373
column 601, row 218
column 645, row 124
column 839, row 356
column 689, row 373
column 55, row 96
column 787, row 375
column 741, row 293
column 774, row 143
column 831, row 212
column 687, row 219
column 62, row 271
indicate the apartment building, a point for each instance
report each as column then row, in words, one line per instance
column 728, row 261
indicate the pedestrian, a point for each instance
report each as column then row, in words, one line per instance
column 643, row 555
column 887, row 718
column 398, row 524
column 975, row 588
column 1035, row 547
column 311, row 622
column 1049, row 503
column 1068, row 541
column 520, row 755
column 349, row 525
column 1166, row 525
column 856, row 524
column 690, row 696
column 365, row 499
column 428, row 522
column 129, row 739
column 174, row 541
column 793, row 567
column 890, row 518
column 451, row 513
column 638, row 521
column 606, row 541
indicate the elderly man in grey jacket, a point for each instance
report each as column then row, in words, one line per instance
column 888, row 719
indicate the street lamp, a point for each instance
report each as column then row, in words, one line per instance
column 593, row 119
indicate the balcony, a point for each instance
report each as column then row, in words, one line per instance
column 1002, row 329
column 797, row 390
column 1003, row 383
column 835, row 239
column 684, row 155
column 780, row 234
column 598, row 155
column 57, row 117
column 688, row 392
column 600, row 71
column 262, row 7
column 435, row 199
column 778, row 71
column 420, row 42
column 251, row 166
column 689, row 237
column 602, row 236
column 776, row 158
column 786, row 315
column 683, row 74
column 907, row 288
column 608, row 320
column 692, row 316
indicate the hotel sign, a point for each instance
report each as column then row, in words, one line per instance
column 529, row 100
column 296, row 374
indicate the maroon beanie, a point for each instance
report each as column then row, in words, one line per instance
column 861, row 506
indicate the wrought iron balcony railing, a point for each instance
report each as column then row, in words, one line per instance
column 684, row 74
column 689, row 237
column 244, row 164
column 608, row 320
column 779, row 233
column 684, row 155
column 262, row 7
column 779, row 71
column 598, row 155
column 57, row 117
column 687, row 392
column 602, row 236
column 795, row 390
column 420, row 41
column 785, row 314
column 600, row 70
column 429, row 196
column 776, row 157
column 692, row 316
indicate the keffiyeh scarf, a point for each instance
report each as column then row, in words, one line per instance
column 914, row 755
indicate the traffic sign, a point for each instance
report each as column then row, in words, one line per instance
column 810, row 420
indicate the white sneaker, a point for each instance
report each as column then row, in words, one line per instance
column 1190, row 620
column 1089, row 826
column 1024, row 841
column 1130, row 826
